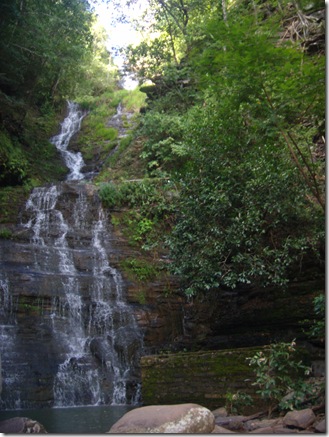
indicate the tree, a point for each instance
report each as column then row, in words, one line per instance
column 42, row 44
column 168, row 36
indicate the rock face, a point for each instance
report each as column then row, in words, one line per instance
column 250, row 317
column 166, row 419
column 34, row 323
column 205, row 378
column 68, row 335
column 201, row 377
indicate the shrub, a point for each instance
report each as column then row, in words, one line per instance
column 279, row 373
column 236, row 401
column 318, row 325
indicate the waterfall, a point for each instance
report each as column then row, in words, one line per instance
column 69, row 127
column 8, row 331
column 85, row 331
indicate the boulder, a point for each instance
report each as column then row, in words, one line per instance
column 167, row 419
column 301, row 419
column 21, row 425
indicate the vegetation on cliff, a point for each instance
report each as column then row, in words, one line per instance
column 235, row 118
column 50, row 52
column 226, row 170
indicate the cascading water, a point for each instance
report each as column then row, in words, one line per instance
column 70, row 126
column 83, row 331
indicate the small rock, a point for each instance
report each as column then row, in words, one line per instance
column 321, row 426
column 234, row 423
column 274, row 430
column 301, row 419
column 265, row 423
column 221, row 412
column 168, row 419
column 280, row 429
column 221, row 430
column 268, row 430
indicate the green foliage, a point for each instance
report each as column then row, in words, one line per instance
column 139, row 269
column 278, row 373
column 149, row 196
column 151, row 209
column 235, row 124
column 13, row 162
column 97, row 140
column 252, row 202
column 318, row 325
column 164, row 149
column 141, row 298
column 106, row 133
column 50, row 51
column 132, row 100
column 42, row 46
column 12, row 200
column 110, row 195
column 235, row 402
column 148, row 57
column 320, row 310
column 5, row 233
column 237, row 215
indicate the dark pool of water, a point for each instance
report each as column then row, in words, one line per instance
column 77, row 420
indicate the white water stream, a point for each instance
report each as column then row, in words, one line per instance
column 69, row 127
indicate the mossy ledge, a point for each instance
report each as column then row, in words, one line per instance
column 203, row 377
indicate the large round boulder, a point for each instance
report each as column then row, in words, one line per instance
column 166, row 419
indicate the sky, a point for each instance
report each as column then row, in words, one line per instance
column 120, row 34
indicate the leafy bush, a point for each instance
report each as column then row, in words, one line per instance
column 164, row 148
column 279, row 373
column 5, row 233
column 151, row 209
column 149, row 196
column 140, row 269
column 235, row 402
column 318, row 325
column 251, row 207
column 106, row 133
column 13, row 162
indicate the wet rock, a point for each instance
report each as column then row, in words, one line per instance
column 100, row 349
column 173, row 419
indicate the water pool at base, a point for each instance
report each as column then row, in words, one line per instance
column 76, row 420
